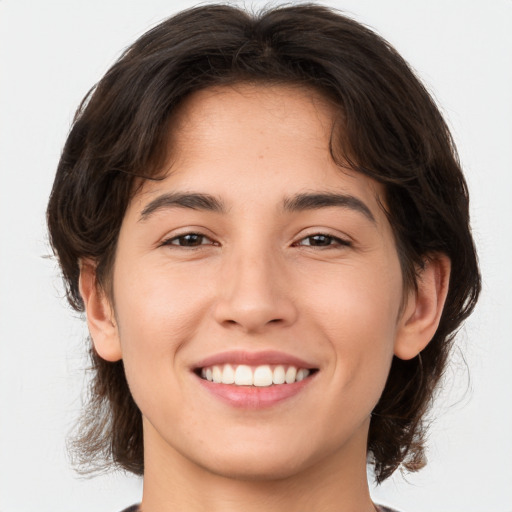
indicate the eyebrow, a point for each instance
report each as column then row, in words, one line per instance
column 298, row 202
column 193, row 201
column 315, row 201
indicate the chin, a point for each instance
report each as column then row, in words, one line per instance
column 264, row 460
column 256, row 468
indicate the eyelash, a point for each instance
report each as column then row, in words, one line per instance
column 330, row 238
column 333, row 241
column 169, row 241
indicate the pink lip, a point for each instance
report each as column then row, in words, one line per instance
column 254, row 359
column 251, row 397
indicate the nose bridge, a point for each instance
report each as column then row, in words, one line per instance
column 253, row 291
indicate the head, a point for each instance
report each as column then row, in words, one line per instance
column 380, row 127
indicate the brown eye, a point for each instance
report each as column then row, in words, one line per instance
column 319, row 240
column 188, row 240
column 322, row 240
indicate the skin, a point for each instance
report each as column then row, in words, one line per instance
column 323, row 284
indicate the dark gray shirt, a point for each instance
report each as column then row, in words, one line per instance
column 135, row 508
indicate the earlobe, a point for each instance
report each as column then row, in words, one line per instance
column 424, row 306
column 100, row 315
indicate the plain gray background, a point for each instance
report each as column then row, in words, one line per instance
column 52, row 52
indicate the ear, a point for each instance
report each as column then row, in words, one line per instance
column 100, row 314
column 422, row 311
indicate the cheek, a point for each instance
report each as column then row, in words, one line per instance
column 157, row 311
column 359, row 319
column 159, row 302
column 351, row 298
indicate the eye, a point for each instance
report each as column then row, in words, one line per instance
column 322, row 240
column 188, row 240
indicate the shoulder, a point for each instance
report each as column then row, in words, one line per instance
column 381, row 508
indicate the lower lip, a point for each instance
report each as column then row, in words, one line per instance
column 254, row 397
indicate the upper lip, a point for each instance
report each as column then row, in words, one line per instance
column 254, row 359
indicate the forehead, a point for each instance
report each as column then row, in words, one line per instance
column 257, row 143
column 292, row 104
column 254, row 121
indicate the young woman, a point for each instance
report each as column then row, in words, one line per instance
column 266, row 224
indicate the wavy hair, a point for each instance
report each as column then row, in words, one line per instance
column 389, row 129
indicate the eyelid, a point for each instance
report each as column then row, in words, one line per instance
column 340, row 240
column 167, row 241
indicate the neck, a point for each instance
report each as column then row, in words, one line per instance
column 336, row 483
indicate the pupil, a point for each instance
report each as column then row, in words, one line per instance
column 321, row 240
column 191, row 240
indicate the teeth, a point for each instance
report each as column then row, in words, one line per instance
column 279, row 375
column 263, row 376
column 217, row 374
column 291, row 373
column 301, row 374
column 228, row 374
column 243, row 376
column 259, row 376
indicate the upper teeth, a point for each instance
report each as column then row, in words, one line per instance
column 261, row 376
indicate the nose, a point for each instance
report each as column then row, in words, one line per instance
column 254, row 293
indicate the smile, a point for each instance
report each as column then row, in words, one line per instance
column 254, row 380
column 260, row 376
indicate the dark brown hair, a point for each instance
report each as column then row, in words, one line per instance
column 390, row 130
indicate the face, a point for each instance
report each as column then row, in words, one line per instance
column 257, row 290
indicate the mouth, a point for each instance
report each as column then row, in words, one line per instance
column 254, row 380
column 261, row 376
